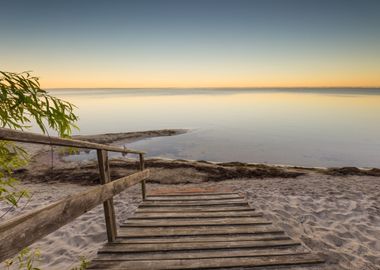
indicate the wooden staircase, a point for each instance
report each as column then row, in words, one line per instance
column 201, row 231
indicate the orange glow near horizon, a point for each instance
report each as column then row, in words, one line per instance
column 84, row 84
column 178, row 79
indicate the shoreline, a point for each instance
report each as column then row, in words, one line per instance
column 49, row 162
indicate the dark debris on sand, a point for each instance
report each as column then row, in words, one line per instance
column 88, row 174
column 352, row 171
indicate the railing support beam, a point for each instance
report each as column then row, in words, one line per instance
column 143, row 185
column 109, row 210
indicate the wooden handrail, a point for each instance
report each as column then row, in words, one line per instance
column 29, row 137
column 21, row 231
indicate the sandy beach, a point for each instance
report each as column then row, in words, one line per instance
column 334, row 212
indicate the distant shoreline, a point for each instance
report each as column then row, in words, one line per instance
column 221, row 88
column 128, row 137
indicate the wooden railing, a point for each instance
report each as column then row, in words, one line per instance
column 21, row 231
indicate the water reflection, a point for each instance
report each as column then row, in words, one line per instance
column 310, row 127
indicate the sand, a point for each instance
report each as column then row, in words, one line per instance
column 332, row 212
column 335, row 216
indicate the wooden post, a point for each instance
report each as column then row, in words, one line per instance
column 142, row 167
column 109, row 211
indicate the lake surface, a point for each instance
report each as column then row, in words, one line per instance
column 307, row 127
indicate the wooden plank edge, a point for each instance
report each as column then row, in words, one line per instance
column 193, row 255
column 137, row 248
column 142, row 225
column 194, row 217
column 125, row 240
column 193, row 194
column 242, row 262
column 187, row 210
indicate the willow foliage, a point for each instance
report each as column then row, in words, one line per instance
column 22, row 100
column 22, row 103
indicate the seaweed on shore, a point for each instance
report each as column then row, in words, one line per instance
column 201, row 171
column 219, row 171
column 344, row 171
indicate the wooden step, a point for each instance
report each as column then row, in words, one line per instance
column 194, row 214
column 202, row 238
column 192, row 198
column 220, row 263
column 194, row 194
column 194, row 208
column 199, row 230
column 218, row 253
column 193, row 203
column 124, row 247
column 194, row 222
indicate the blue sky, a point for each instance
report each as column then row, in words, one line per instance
column 193, row 43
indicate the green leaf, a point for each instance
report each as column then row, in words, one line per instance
column 23, row 102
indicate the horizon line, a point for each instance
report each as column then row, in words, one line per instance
column 226, row 87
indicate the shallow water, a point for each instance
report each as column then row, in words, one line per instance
column 309, row 127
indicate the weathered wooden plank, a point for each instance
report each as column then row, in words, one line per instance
column 175, row 215
column 238, row 202
column 28, row 137
column 195, row 194
column 109, row 211
column 208, row 254
column 23, row 230
column 186, row 202
column 124, row 247
column 205, row 230
column 243, row 262
column 175, row 209
column 195, row 222
column 202, row 238
column 192, row 198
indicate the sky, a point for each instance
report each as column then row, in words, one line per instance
column 194, row 43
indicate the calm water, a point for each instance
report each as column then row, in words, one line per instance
column 311, row 127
